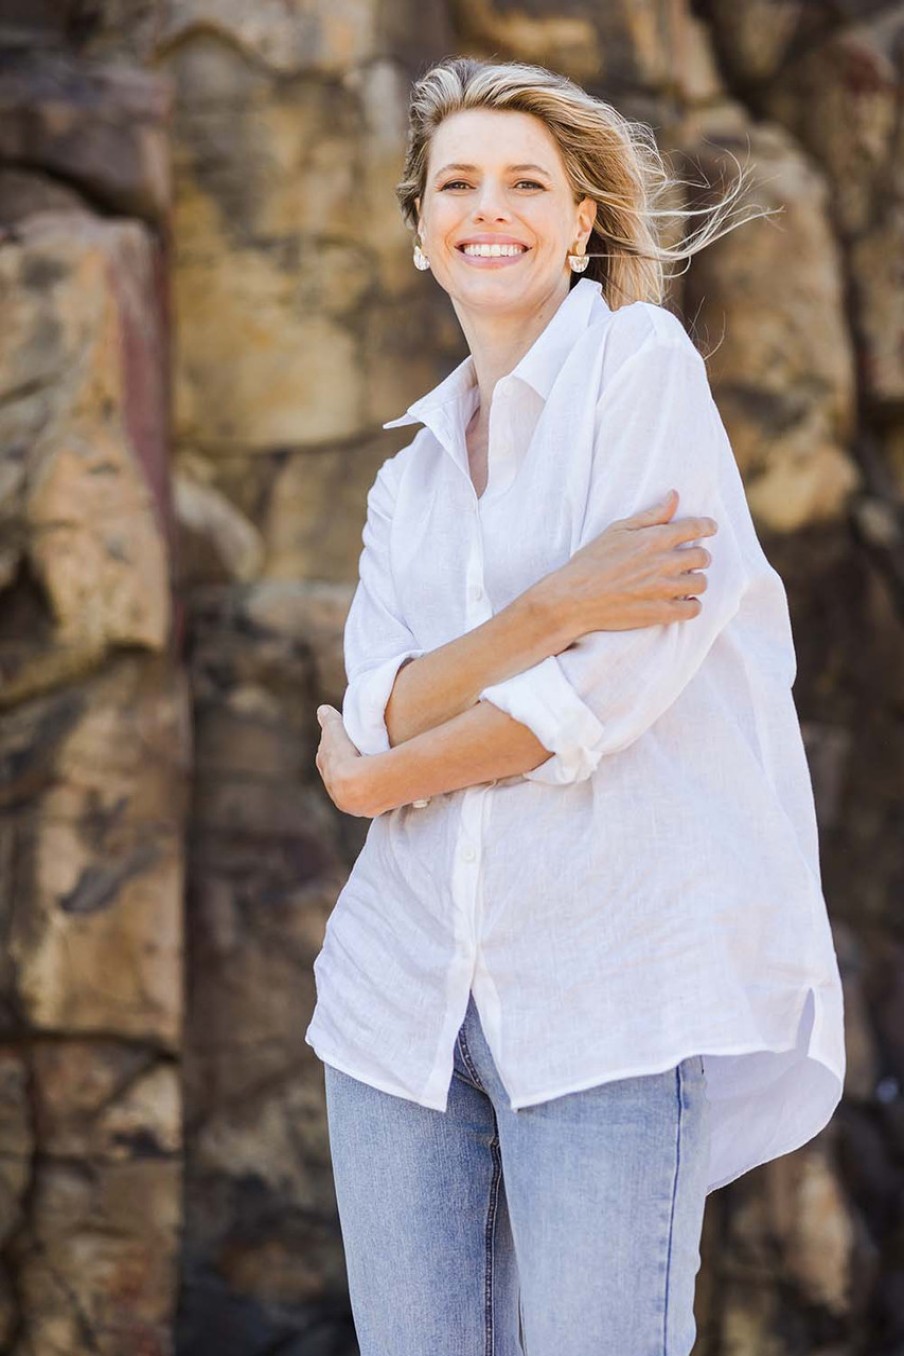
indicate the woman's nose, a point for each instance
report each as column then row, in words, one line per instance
column 490, row 202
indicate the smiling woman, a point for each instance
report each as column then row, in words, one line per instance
column 581, row 973
column 531, row 223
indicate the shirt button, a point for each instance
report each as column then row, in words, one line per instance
column 468, row 853
column 476, row 591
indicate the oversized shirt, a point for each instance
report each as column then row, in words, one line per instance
column 652, row 889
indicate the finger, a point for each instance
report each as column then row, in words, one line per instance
column 686, row 607
column 693, row 527
column 686, row 558
column 666, row 535
column 659, row 512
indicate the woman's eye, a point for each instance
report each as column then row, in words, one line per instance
column 461, row 183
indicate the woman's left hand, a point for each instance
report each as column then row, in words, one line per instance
column 340, row 765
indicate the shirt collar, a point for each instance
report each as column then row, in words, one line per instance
column 539, row 366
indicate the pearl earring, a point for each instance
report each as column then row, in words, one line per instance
column 420, row 259
column 578, row 262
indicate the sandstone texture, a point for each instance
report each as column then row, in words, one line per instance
column 209, row 311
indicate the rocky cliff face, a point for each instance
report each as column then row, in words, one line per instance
column 209, row 308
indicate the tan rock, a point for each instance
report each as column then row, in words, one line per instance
column 310, row 37
column 696, row 68
column 101, row 127
column 100, row 949
column 103, row 1100
column 878, row 285
column 893, row 448
column 313, row 613
column 97, row 1267
column 408, row 346
column 87, row 509
column 841, row 99
column 316, row 511
column 254, row 1090
column 96, row 547
column 569, row 42
column 755, row 37
column 216, row 542
column 750, row 1323
column 767, row 305
column 863, row 1067
column 383, row 93
column 24, row 192
column 16, row 1147
column 802, row 480
column 119, row 750
column 256, row 370
column 810, row 1215
column 95, row 943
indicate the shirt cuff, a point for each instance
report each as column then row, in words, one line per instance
column 364, row 704
column 542, row 698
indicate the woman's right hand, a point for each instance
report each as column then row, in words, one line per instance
column 637, row 572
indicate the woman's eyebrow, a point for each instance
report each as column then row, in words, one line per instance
column 472, row 169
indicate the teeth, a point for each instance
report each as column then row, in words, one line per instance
column 493, row 251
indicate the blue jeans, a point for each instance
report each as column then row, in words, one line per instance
column 568, row 1228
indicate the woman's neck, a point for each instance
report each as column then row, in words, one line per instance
column 497, row 342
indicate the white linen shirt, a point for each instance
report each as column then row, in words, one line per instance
column 652, row 890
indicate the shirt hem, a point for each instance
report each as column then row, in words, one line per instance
column 638, row 1071
column 379, row 1083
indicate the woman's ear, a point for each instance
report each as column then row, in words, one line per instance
column 586, row 216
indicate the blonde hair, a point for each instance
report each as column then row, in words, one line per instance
column 608, row 157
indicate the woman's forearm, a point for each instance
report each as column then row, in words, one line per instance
column 481, row 744
column 436, row 687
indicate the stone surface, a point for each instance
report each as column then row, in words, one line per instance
column 180, row 526
column 92, row 879
column 96, row 1264
column 216, row 542
column 754, row 39
column 260, row 366
column 878, row 290
column 81, row 495
column 94, row 731
column 290, row 37
column 100, row 127
column 768, row 309
column 316, row 511
column 841, row 99
column 266, row 866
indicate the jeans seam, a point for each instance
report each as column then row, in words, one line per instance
column 469, row 1062
column 456, row 1073
column 492, row 1210
column 668, row 1259
column 490, row 1241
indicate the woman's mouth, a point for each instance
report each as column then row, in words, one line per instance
column 493, row 254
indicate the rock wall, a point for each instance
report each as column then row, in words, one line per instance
column 210, row 309
column 94, row 718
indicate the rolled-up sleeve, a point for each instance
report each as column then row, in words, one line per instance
column 377, row 640
column 658, row 425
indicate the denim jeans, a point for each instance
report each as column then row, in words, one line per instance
column 568, row 1228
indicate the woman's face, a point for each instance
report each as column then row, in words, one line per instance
column 497, row 178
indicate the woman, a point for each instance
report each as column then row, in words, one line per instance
column 581, row 973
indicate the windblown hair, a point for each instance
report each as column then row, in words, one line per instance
column 608, row 157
